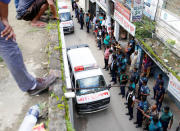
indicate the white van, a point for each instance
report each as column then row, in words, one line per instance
column 65, row 18
column 90, row 88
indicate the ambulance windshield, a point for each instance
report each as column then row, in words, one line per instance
column 89, row 85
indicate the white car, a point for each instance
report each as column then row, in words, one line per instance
column 90, row 89
column 65, row 18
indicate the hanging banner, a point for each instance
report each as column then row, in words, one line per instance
column 150, row 7
column 174, row 87
column 126, row 24
column 123, row 10
column 137, row 10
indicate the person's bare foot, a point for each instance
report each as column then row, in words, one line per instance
column 54, row 18
column 38, row 24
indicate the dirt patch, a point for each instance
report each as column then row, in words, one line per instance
column 13, row 102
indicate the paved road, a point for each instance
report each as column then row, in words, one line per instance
column 114, row 117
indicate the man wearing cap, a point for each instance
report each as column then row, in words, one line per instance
column 131, row 101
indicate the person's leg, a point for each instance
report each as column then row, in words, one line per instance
column 100, row 46
column 35, row 21
column 105, row 60
column 131, row 112
column 81, row 25
column 12, row 56
column 123, row 91
column 154, row 90
column 53, row 8
column 140, row 119
column 115, row 78
column 159, row 104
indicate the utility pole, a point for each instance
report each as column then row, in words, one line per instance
column 108, row 15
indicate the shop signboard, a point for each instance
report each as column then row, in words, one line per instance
column 150, row 7
column 123, row 10
column 174, row 87
column 126, row 24
column 137, row 10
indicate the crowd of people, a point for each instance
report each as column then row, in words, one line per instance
column 123, row 68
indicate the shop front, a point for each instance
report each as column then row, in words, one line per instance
column 92, row 7
column 123, row 26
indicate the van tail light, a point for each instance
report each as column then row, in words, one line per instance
column 78, row 68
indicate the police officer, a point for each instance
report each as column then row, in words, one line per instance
column 135, row 75
column 131, row 85
column 142, row 105
column 142, row 78
column 123, row 81
column 144, row 89
column 156, row 86
column 166, row 118
column 160, row 96
column 131, row 101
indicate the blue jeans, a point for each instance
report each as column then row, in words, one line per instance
column 16, row 2
column 12, row 56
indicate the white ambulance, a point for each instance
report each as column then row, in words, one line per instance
column 90, row 89
column 65, row 17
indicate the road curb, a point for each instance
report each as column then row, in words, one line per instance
column 56, row 113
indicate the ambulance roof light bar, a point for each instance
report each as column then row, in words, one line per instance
column 88, row 67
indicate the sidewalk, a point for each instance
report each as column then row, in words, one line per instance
column 13, row 102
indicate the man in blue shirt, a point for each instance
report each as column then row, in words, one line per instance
column 160, row 96
column 12, row 56
column 156, row 86
column 144, row 89
column 32, row 10
column 142, row 78
column 142, row 105
column 135, row 75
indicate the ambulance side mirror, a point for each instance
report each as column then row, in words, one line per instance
column 109, row 86
column 69, row 95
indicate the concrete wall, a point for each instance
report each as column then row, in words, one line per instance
column 168, row 25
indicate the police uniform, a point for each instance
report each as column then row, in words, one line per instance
column 123, row 84
column 141, row 80
column 165, row 119
column 130, row 99
column 160, row 93
column 144, row 90
column 144, row 106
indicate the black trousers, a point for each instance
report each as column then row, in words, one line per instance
column 81, row 23
column 130, row 109
column 106, row 63
column 139, row 118
column 87, row 28
column 122, row 88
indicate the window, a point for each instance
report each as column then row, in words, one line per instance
column 172, row 6
column 65, row 16
column 96, row 81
